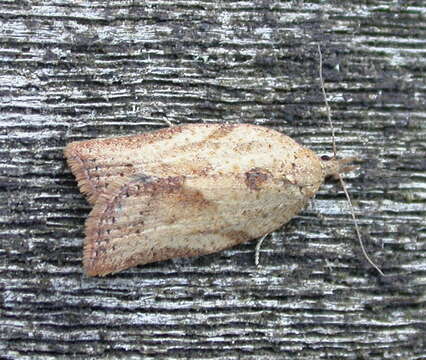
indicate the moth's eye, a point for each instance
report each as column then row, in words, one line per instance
column 325, row 158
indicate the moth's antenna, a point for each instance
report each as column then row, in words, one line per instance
column 342, row 183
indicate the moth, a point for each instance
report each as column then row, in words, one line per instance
column 190, row 190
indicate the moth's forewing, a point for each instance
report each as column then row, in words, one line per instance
column 197, row 149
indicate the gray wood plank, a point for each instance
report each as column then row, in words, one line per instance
column 78, row 70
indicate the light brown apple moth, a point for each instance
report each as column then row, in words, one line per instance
column 189, row 190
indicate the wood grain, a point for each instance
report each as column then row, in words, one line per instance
column 78, row 70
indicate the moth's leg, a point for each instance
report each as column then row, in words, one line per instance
column 257, row 251
column 167, row 121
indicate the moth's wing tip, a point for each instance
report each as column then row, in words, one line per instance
column 69, row 149
column 75, row 161
column 95, row 262
column 94, row 266
column 91, row 258
column 90, row 271
column 72, row 152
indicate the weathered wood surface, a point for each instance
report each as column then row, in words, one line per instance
column 81, row 69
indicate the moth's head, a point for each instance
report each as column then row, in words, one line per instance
column 333, row 166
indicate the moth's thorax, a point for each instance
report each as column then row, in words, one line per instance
column 334, row 167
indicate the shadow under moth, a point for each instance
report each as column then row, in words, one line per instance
column 190, row 190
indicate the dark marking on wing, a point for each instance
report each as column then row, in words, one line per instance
column 256, row 177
